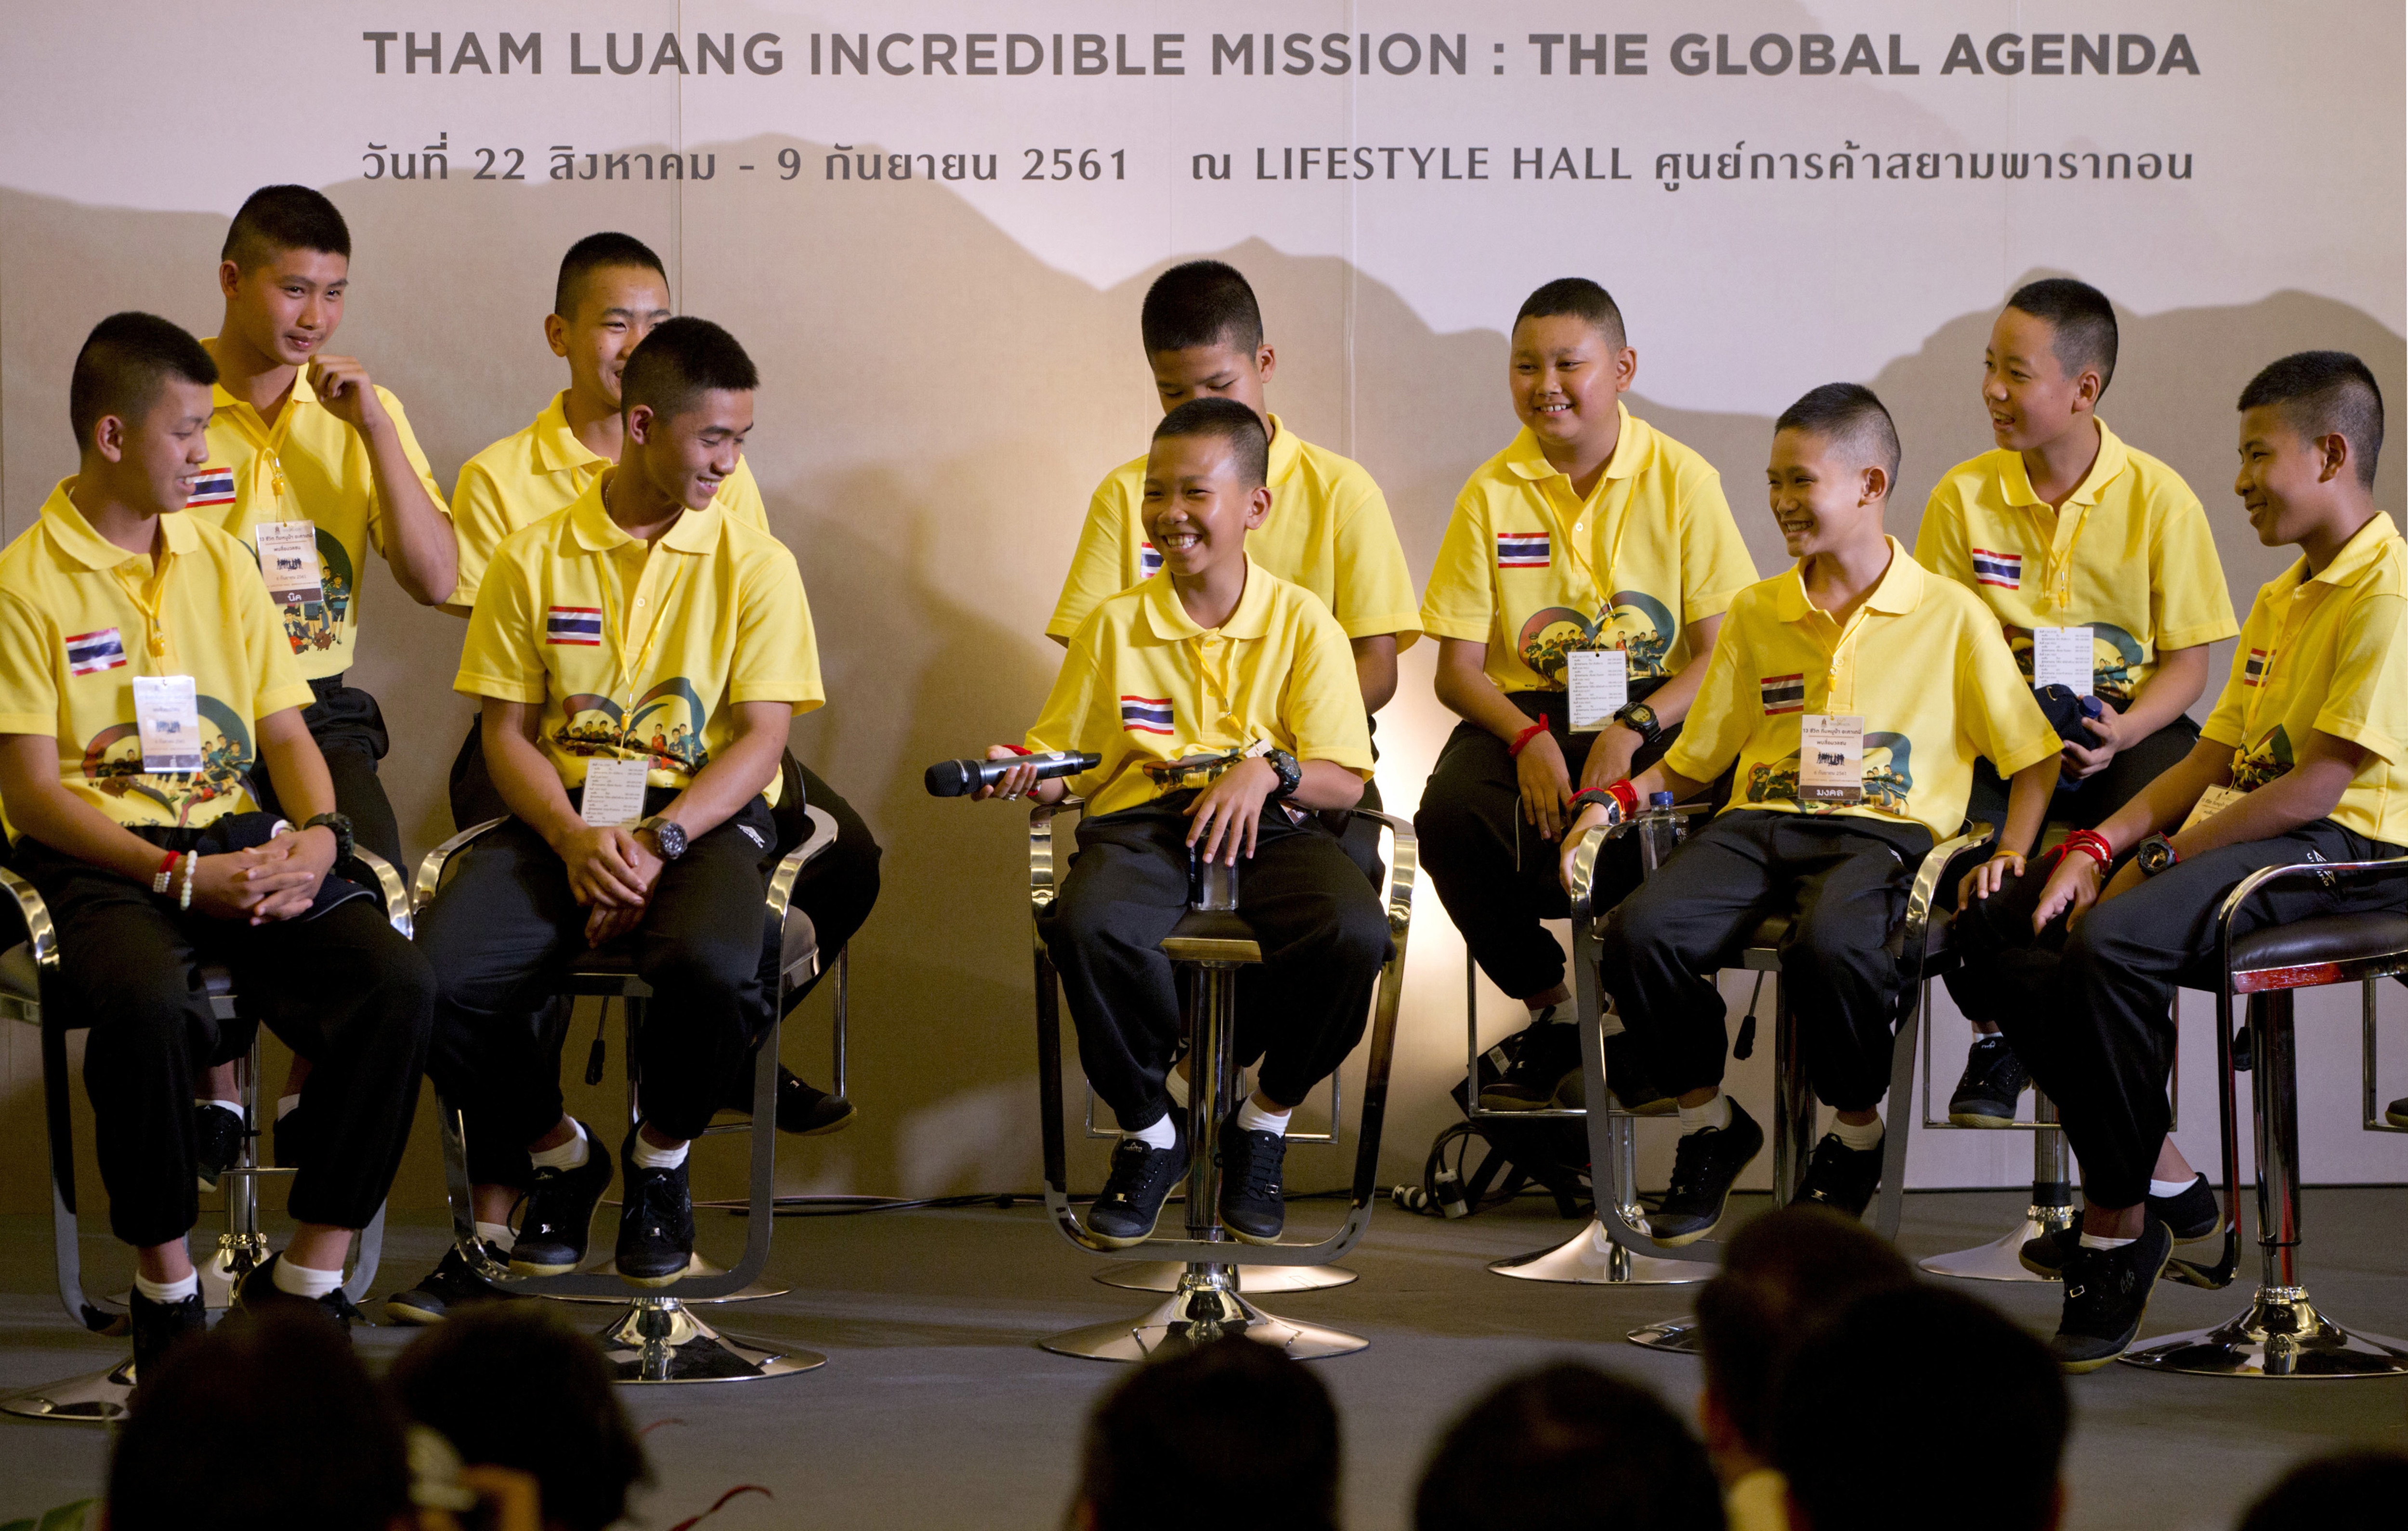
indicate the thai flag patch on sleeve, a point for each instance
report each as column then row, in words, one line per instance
column 1783, row 692
column 1149, row 560
column 1146, row 714
column 90, row 652
column 2004, row 570
column 2252, row 671
column 215, row 486
column 1521, row 551
column 580, row 625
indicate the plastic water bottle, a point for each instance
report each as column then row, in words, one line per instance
column 1659, row 830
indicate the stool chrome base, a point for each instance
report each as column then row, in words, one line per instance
column 237, row 1257
column 1206, row 1308
column 2279, row 1334
column 95, row 1399
column 1677, row 1336
column 1999, row 1260
column 698, row 1266
column 1589, row 1258
column 660, row 1339
column 1261, row 1280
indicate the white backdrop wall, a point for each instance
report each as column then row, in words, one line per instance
column 932, row 224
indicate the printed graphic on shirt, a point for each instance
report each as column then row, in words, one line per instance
column 2269, row 758
column 666, row 723
column 318, row 624
column 1149, row 561
column 112, row 762
column 90, row 652
column 2005, row 570
column 1888, row 779
column 579, row 625
column 1522, row 550
column 2252, row 671
column 2115, row 655
column 215, row 486
column 1635, row 622
column 1783, row 693
column 1146, row 714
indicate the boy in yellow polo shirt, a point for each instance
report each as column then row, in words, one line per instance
column 1851, row 696
column 1223, row 701
column 640, row 656
column 2304, row 759
column 1590, row 560
column 2098, row 562
column 143, row 678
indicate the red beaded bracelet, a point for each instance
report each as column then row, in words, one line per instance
column 1626, row 795
column 2090, row 843
column 1523, row 737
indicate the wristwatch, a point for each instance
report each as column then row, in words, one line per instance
column 2155, row 854
column 1291, row 774
column 667, row 834
column 341, row 828
column 1640, row 720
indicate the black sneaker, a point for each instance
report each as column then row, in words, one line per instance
column 1994, row 1078
column 1706, row 1164
column 1254, row 1203
column 1548, row 1059
column 655, row 1222
column 289, row 1138
column 556, row 1219
column 2106, row 1297
column 1130, row 1203
column 217, row 1142
column 160, row 1326
column 1841, row 1178
column 448, row 1288
column 2397, row 1112
column 2191, row 1217
column 1628, row 1083
column 803, row 1109
column 258, row 1290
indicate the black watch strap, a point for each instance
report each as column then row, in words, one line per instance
column 1291, row 774
column 1640, row 720
column 341, row 828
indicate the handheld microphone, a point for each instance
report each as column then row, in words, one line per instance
column 960, row 777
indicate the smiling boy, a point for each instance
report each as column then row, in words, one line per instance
column 1594, row 545
column 1223, row 700
column 1852, row 695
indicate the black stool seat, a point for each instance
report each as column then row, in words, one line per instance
column 1212, row 936
column 2315, row 952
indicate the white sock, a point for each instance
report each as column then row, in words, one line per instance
column 302, row 1282
column 2097, row 1241
column 1714, row 1114
column 567, row 1155
column 169, row 1291
column 234, row 1107
column 284, row 1105
column 1174, row 1085
column 1163, row 1134
column 1867, row 1136
column 1253, row 1118
column 2168, row 1190
column 641, row 1152
column 498, row 1235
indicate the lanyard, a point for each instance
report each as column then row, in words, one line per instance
column 615, row 623
column 2058, row 577
column 267, row 460
column 1577, row 547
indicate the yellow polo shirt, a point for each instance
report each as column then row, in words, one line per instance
column 2129, row 556
column 2327, row 652
column 80, row 618
column 1143, row 686
column 308, row 466
column 529, row 475
column 1328, row 531
column 1921, row 661
column 1534, row 571
column 639, row 650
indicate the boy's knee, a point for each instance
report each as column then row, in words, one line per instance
column 708, row 971
column 136, row 1000
column 1359, row 932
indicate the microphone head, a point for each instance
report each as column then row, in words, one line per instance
column 952, row 779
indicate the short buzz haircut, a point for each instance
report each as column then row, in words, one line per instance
column 1567, row 1446
column 1227, row 419
column 123, row 366
column 1230, row 1422
column 600, row 253
column 2082, row 319
column 2325, row 392
column 1783, row 1276
column 1202, row 302
column 279, row 218
column 1580, row 298
column 680, row 359
column 1848, row 414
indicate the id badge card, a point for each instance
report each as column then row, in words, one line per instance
column 167, row 714
column 2061, row 657
column 1830, row 759
column 1600, row 681
column 614, row 793
column 2212, row 802
column 288, row 560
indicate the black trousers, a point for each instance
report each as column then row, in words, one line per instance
column 504, row 930
column 344, row 990
column 2091, row 1012
column 1843, row 879
column 350, row 729
column 1300, row 1009
column 1494, row 873
column 2093, row 801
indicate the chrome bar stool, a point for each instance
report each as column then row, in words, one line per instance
column 1212, row 941
column 2281, row 1332
column 657, row 1337
column 99, row 1398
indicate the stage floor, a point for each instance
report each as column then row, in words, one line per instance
column 935, row 1408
